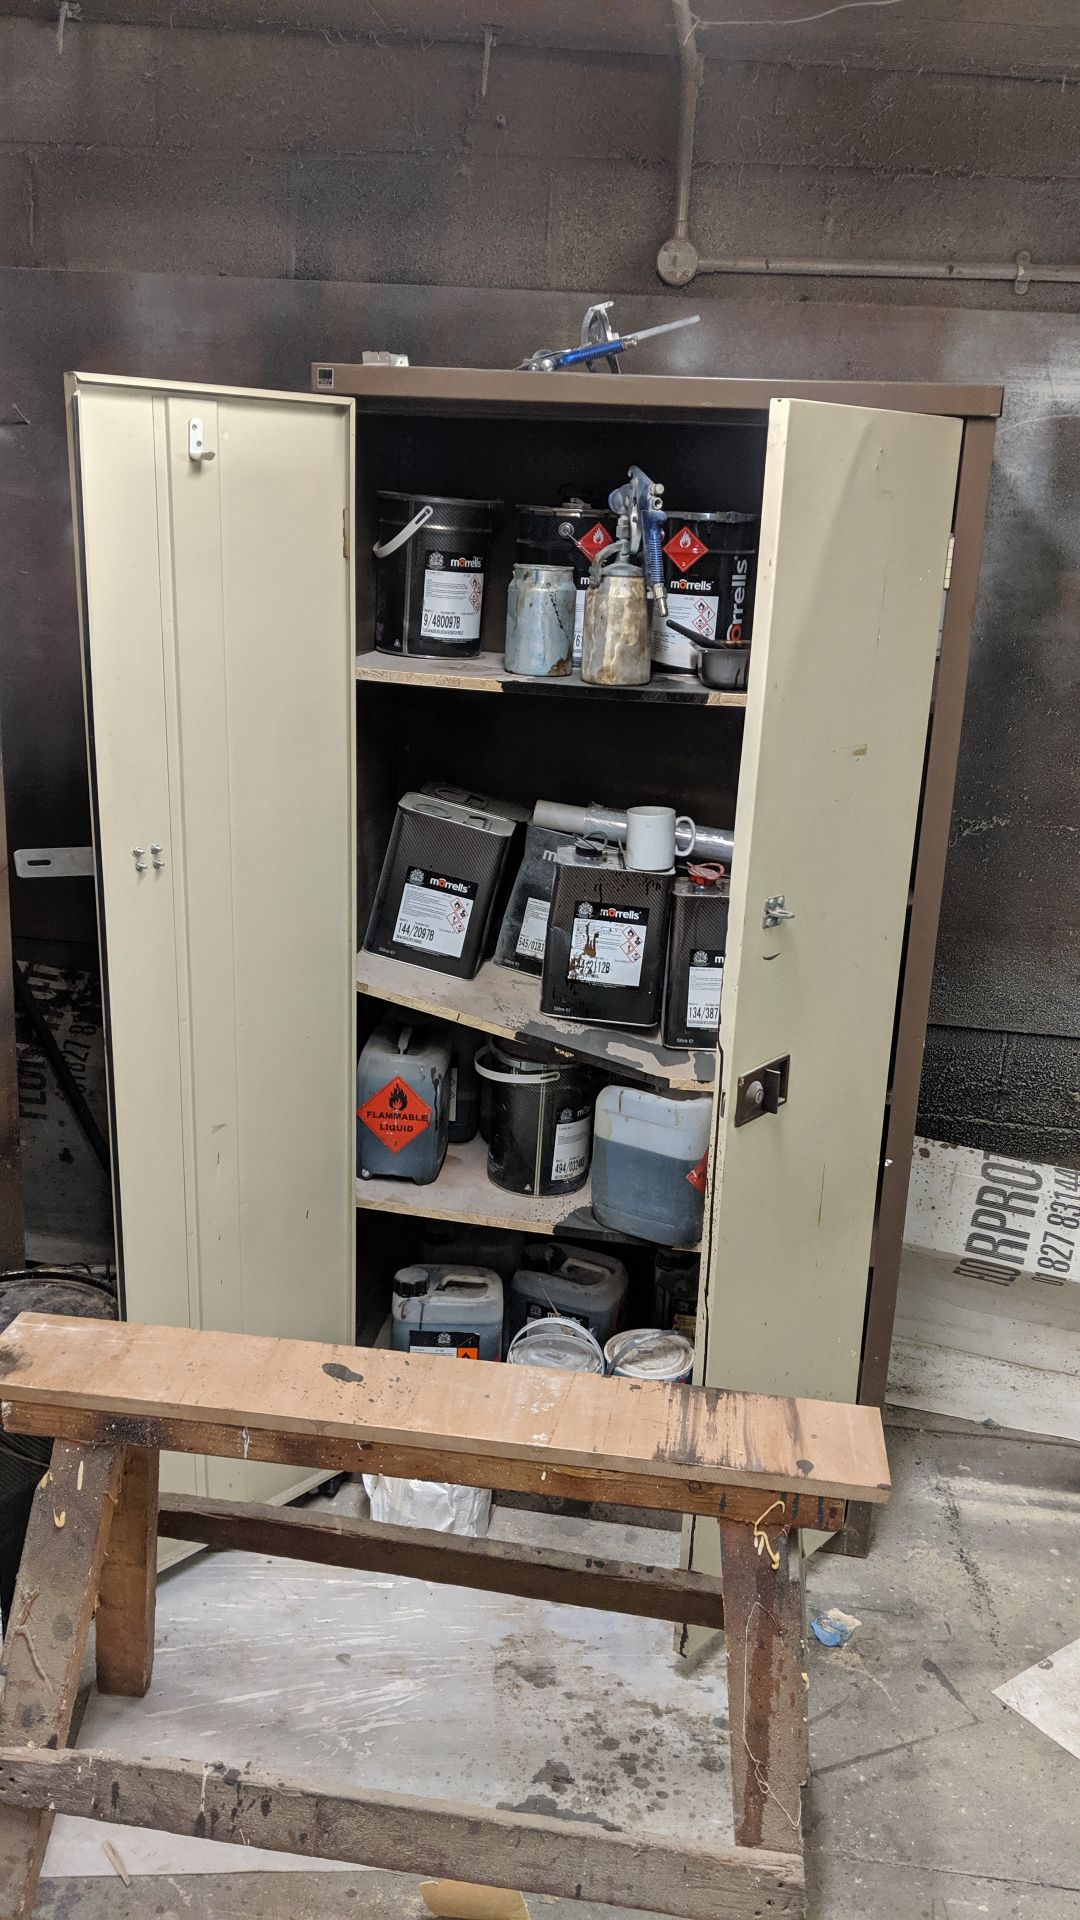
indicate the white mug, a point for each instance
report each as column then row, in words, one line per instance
column 652, row 836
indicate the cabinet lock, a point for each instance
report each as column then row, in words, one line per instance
column 763, row 1090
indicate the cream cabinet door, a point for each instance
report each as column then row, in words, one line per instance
column 219, row 669
column 856, row 518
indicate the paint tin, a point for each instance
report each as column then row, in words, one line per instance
column 556, row 1343
column 695, row 963
column 540, row 1127
column 572, row 536
column 676, row 1289
column 648, row 1353
column 432, row 555
column 439, row 884
column 606, row 939
column 523, row 934
column 710, row 568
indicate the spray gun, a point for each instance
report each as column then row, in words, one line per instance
column 615, row 647
column 641, row 517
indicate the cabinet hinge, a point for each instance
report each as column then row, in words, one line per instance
column 345, row 532
column 948, row 562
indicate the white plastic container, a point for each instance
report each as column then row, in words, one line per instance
column 451, row 1310
column 647, row 1154
column 572, row 1283
column 649, row 1353
column 561, row 1344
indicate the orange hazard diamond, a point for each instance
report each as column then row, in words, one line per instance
column 684, row 548
column 395, row 1115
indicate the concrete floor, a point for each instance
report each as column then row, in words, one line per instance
column 930, row 1799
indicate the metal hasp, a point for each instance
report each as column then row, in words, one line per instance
column 775, row 911
column 763, row 1090
column 196, row 446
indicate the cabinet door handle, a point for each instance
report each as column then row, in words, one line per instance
column 137, row 855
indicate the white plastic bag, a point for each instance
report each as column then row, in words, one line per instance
column 436, row 1504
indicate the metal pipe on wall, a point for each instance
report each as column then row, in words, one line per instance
column 678, row 261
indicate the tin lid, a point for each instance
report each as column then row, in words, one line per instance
column 560, row 513
column 649, row 1353
column 555, row 1342
column 425, row 803
column 713, row 519
column 707, row 874
column 438, row 500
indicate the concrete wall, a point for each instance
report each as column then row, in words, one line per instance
column 271, row 153
column 287, row 156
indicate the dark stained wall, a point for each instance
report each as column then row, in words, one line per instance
column 282, row 157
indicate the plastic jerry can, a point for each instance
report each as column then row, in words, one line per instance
column 606, row 939
column 647, row 1175
column 464, row 1085
column 695, row 966
column 439, row 884
column 452, row 1310
column 573, row 1283
column 402, row 1103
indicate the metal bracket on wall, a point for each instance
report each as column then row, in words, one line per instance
column 54, row 863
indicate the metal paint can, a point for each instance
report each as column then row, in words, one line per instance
column 432, row 555
column 571, row 535
column 649, row 1353
column 540, row 620
column 695, row 962
column 439, row 884
column 556, row 1343
column 540, row 1129
column 710, row 568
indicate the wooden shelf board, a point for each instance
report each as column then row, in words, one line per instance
column 464, row 1192
column 486, row 673
column 506, row 1003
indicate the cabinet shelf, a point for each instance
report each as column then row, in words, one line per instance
column 506, row 1003
column 486, row 673
column 464, row 1192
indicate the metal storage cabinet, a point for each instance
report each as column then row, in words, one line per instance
column 229, row 969
column 218, row 645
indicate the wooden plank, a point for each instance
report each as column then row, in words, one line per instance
column 124, row 1635
column 464, row 1192
column 486, row 673
column 45, row 1642
column 536, row 1476
column 767, row 1691
column 492, row 1566
column 531, row 1851
column 479, row 1408
column 506, row 1003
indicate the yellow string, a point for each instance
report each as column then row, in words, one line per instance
column 761, row 1538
